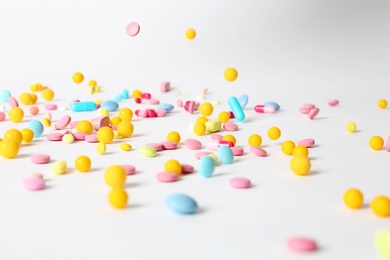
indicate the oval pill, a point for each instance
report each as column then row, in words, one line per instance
column 193, row 144
column 258, row 151
column 34, row 184
column 181, row 203
column 300, row 244
column 206, row 166
column 148, row 151
column 240, row 183
column 167, row 176
column 40, row 158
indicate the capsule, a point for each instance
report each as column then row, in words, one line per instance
column 236, row 108
column 215, row 144
column 265, row 109
column 83, row 106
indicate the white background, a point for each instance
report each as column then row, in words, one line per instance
column 291, row 52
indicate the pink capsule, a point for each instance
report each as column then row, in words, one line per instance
column 215, row 144
column 265, row 109
column 146, row 95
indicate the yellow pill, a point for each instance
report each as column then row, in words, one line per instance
column 206, row 109
column 59, row 167
column 48, row 94
column 301, row 150
column 34, row 98
column 78, row 77
column 91, row 90
column 381, row 206
column 172, row 166
column 137, row 94
column 274, row 133
column 92, row 83
column 214, row 157
column 376, row 142
column 126, row 114
column 215, row 102
column 97, row 89
column 351, row 127
column 28, row 135
column 104, row 112
column 117, row 135
column 174, row 137
column 25, row 99
column 84, row 126
column 34, row 87
column 229, row 138
column 125, row 129
column 202, row 120
column 98, row 102
column 115, row 120
column 190, row 33
column 300, row 165
column 288, row 147
column 83, row 163
column 105, row 135
column 115, row 176
column 230, row 74
column 118, row 198
column 46, row 122
column 255, row 140
column 16, row 114
column 9, row 148
column 224, row 117
column 213, row 126
column 125, row 147
column 101, row 148
column 353, row 198
column 199, row 128
column 14, row 134
column 382, row 103
column 68, row 138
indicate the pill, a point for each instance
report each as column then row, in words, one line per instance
column 236, row 108
column 376, row 142
column 51, row 107
column 132, row 29
column 288, row 147
column 153, row 101
column 54, row 136
column 273, row 104
column 118, row 198
column 380, row 205
column 230, row 74
column 309, row 106
column 333, row 102
column 34, row 184
column 225, row 154
column 199, row 155
column 382, row 243
column 2, row 116
column 313, row 112
column 40, row 158
column 206, row 166
column 308, row 142
column 190, row 33
column 243, row 100
column 167, row 107
column 258, row 151
column 215, row 144
column 168, row 145
column 265, row 109
column 115, row 176
column 240, row 183
column 301, row 244
column 181, row 203
column 129, row 169
column 148, row 151
column 193, row 144
column 92, row 138
column 173, row 165
column 388, row 144
column 165, row 86
column 213, row 125
column 83, row 106
column 63, row 122
column 216, row 137
column 353, row 198
column 382, row 103
column 237, row 151
column 230, row 126
column 300, row 165
column 190, row 106
column 68, row 139
column 16, row 114
column 35, row 175
column 186, row 168
column 179, row 103
column 37, row 127
column 13, row 102
column 4, row 95
column 304, row 110
column 167, row 177
column 156, row 146
column 125, row 147
column 79, row 136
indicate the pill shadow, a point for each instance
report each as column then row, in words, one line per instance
column 135, row 206
column 94, row 170
column 132, row 185
column 311, row 173
column 21, row 156
column 200, row 210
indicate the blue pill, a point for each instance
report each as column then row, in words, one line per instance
column 4, row 95
column 125, row 94
column 206, row 166
column 273, row 104
column 83, row 106
column 37, row 127
column 118, row 98
column 181, row 203
column 110, row 105
column 243, row 100
column 236, row 108
column 225, row 154
column 166, row 107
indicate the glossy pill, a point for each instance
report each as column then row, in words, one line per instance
column 14, row 134
column 115, row 176
column 68, row 139
column 181, row 203
column 83, row 163
column 28, row 135
column 353, row 198
column 258, row 151
column 206, row 166
column 173, row 165
column 380, row 205
column 83, row 106
column 301, row 150
column 213, row 126
column 236, row 108
column 118, row 198
column 300, row 165
column 148, row 151
column 132, row 29
column 265, row 109
column 225, row 154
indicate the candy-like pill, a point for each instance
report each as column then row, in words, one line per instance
column 110, row 105
column 115, row 176
column 100, row 121
column 14, row 134
column 13, row 102
column 288, row 147
column 132, row 29
column 304, row 110
column 308, row 142
column 156, row 146
column 148, row 151
column 46, row 122
column 54, row 136
column 168, row 145
column 51, row 107
column 36, row 175
column 37, row 127
column 272, row 104
column 237, row 151
column 382, row 103
column 230, row 74
column 2, row 116
column 301, row 244
column 91, row 138
column 301, row 150
column 255, row 140
column 351, row 127
column 153, row 101
column 380, row 205
column 63, row 122
column 181, row 203
column 166, row 107
column 9, row 148
column 79, row 136
column 118, row 198
column 206, row 109
column 172, row 166
column 84, row 126
column 174, row 137
column 193, row 144
column 388, row 144
column 125, row 129
column 83, row 106
column 105, row 135
column 382, row 243
column 225, row 154
column 213, row 126
column 59, row 167
column 376, row 142
column 265, row 109
column 4, row 95
column 186, row 168
column 48, row 94
column 40, row 158
column 125, row 147
column 165, row 86
column 230, row 127
column 199, row 155
column 240, row 183
column 300, row 165
column 274, row 133
column 215, row 144
column 217, row 137
column 199, row 128
column 101, row 148
column 229, row 138
column 129, row 169
column 243, row 100
column 179, row 103
column 236, row 108
column 16, row 114
column 167, row 176
column 34, row 184
column 83, row 163
column 190, row 33
column 313, row 112
column 353, row 198
column 28, row 135
column 126, row 114
column 78, row 77
column 258, row 151
column 68, row 138
column 206, row 166
column 333, row 102
column 25, row 98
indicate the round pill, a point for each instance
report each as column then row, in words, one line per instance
column 105, row 135
column 193, row 144
column 110, row 105
column 101, row 148
column 2, row 116
column 308, row 142
column 288, row 147
column 213, row 126
column 206, row 166
column 16, row 114
column 63, row 122
column 167, row 176
column 132, row 29
column 240, row 183
column 40, row 158
column 118, row 198
column 54, row 136
column 199, row 128
column 301, row 150
column 237, row 151
column 301, row 244
column 34, row 184
column 59, row 167
column 225, row 154
column 190, row 33
column 300, row 165
column 186, row 168
column 9, row 148
column 83, row 163
column 274, row 133
column 174, row 137
column 181, row 203
column 48, row 94
column 115, row 176
column 230, row 74
column 380, row 205
column 353, row 198
column 129, row 169
column 333, row 102
column 68, row 139
column 4, row 95
column 13, row 102
column 229, row 138
column 255, row 140
column 126, row 114
column 46, row 122
column 313, row 112
column 199, row 155
column 223, row 117
column 382, row 103
column 230, row 126
column 382, row 243
column 78, row 77
column 79, row 136
column 14, row 134
column 172, row 166
column 351, row 127
column 92, row 138
column 376, row 142
column 25, row 98
column 206, row 109
column 125, row 129
column 28, row 135
column 84, row 126
column 148, row 151
column 51, row 107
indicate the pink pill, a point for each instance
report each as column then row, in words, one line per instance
column 167, row 145
column 100, row 122
column 333, row 102
column 388, row 144
column 156, row 146
column 2, row 116
column 237, row 151
column 161, row 113
column 193, row 144
column 165, row 86
column 73, row 124
column 151, row 113
column 179, row 103
column 231, row 115
column 216, row 137
column 313, row 113
column 54, row 137
column 40, row 158
column 214, row 144
column 300, row 244
column 308, row 142
column 240, row 183
column 129, row 169
column 35, row 175
column 304, row 110
column 34, row 110
column 265, row 109
column 146, row 95
column 258, row 151
column 51, row 107
column 142, row 114
column 167, row 176
column 199, row 155
column 154, row 101
column 230, row 126
column 49, row 116
column 186, row 168
column 91, row 138
column 13, row 102
column 189, row 107
column 132, row 29
column 114, row 127
column 309, row 106
column 34, row 184
column 63, row 122
column 79, row 136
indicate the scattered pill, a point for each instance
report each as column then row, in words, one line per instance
column 301, row 244
column 351, row 127
column 274, row 133
column 258, row 151
column 300, row 165
column 148, row 151
column 118, row 198
column 353, row 198
column 40, row 158
column 376, row 142
column 193, row 144
column 382, row 243
column 225, row 154
column 206, row 166
column 190, row 33
column 37, row 127
column 34, row 184
column 59, row 167
column 115, row 176
column 240, row 183
column 333, row 102
column 129, row 169
column 181, row 203
column 265, row 109
column 186, row 168
column 380, row 205
column 230, row 74
column 313, row 112
column 382, row 103
column 68, row 139
column 236, row 108
column 308, row 142
column 168, row 145
column 230, row 126
column 167, row 176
